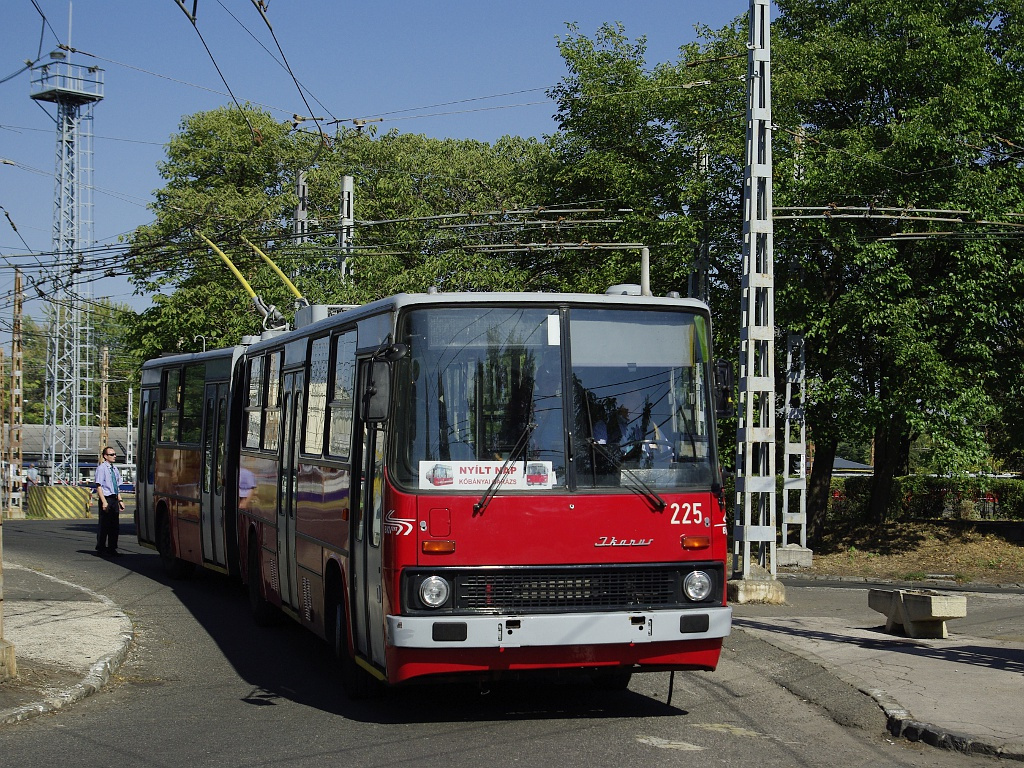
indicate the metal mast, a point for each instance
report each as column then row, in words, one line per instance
column 795, row 450
column 74, row 89
column 755, row 530
column 14, row 462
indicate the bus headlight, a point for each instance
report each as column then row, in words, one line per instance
column 696, row 586
column 434, row 592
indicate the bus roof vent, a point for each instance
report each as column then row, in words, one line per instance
column 432, row 290
column 312, row 313
column 623, row 289
column 673, row 295
column 247, row 340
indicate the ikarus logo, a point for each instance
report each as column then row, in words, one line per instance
column 397, row 526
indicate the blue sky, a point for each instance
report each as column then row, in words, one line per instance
column 439, row 69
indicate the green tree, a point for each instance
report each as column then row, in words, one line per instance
column 877, row 104
column 226, row 176
column 34, row 346
column 403, row 182
column 219, row 183
column 662, row 149
column 892, row 104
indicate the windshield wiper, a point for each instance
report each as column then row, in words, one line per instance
column 492, row 489
column 640, row 486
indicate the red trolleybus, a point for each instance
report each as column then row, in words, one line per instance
column 450, row 484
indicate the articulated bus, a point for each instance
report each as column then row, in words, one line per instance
column 456, row 484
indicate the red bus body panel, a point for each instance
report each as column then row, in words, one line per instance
column 548, row 529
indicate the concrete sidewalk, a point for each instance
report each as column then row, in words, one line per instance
column 963, row 692
column 68, row 641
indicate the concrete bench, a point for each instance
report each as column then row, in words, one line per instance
column 919, row 613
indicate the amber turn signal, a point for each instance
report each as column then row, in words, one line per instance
column 695, row 542
column 438, row 547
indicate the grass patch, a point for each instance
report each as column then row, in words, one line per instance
column 912, row 551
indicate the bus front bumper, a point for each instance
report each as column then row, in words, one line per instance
column 561, row 629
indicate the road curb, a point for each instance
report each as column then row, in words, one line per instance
column 99, row 673
column 899, row 722
column 949, row 584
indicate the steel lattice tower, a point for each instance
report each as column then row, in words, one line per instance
column 75, row 90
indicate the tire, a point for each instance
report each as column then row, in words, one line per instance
column 263, row 613
column 357, row 682
column 173, row 566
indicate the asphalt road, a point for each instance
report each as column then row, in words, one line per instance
column 204, row 686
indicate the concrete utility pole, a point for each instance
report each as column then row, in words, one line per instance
column 129, row 453
column 698, row 282
column 8, row 665
column 104, row 402
column 347, row 222
column 300, row 224
column 754, row 529
column 3, row 444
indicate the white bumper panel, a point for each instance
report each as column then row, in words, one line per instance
column 558, row 629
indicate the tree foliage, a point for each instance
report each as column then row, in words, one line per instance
column 912, row 329
column 897, row 143
column 222, row 185
column 906, row 107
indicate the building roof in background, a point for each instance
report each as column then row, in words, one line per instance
column 32, row 443
column 845, row 468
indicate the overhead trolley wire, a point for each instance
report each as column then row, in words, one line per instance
column 191, row 17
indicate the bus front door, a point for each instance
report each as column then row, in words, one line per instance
column 291, row 434
column 145, row 473
column 367, row 597
column 212, row 484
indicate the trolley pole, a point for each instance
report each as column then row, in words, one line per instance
column 754, row 531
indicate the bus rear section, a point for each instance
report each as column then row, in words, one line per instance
column 183, row 495
column 551, row 495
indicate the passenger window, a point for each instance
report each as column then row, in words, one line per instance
column 342, row 395
column 316, row 403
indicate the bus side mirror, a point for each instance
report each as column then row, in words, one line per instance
column 725, row 389
column 378, row 392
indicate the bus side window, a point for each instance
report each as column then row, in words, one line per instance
column 342, row 395
column 272, row 409
column 316, row 402
column 171, row 403
column 192, row 403
column 254, row 404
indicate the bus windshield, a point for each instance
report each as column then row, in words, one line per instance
column 630, row 403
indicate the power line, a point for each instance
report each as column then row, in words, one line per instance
column 216, row 66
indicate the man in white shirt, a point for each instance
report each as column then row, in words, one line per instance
column 108, row 488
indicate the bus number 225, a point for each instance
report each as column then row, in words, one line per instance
column 686, row 513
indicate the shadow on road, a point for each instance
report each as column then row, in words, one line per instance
column 287, row 662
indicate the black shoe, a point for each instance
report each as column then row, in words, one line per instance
column 113, row 553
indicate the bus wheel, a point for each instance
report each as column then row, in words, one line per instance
column 615, row 679
column 173, row 566
column 357, row 682
column 263, row 613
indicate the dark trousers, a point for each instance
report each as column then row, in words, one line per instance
column 106, row 540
